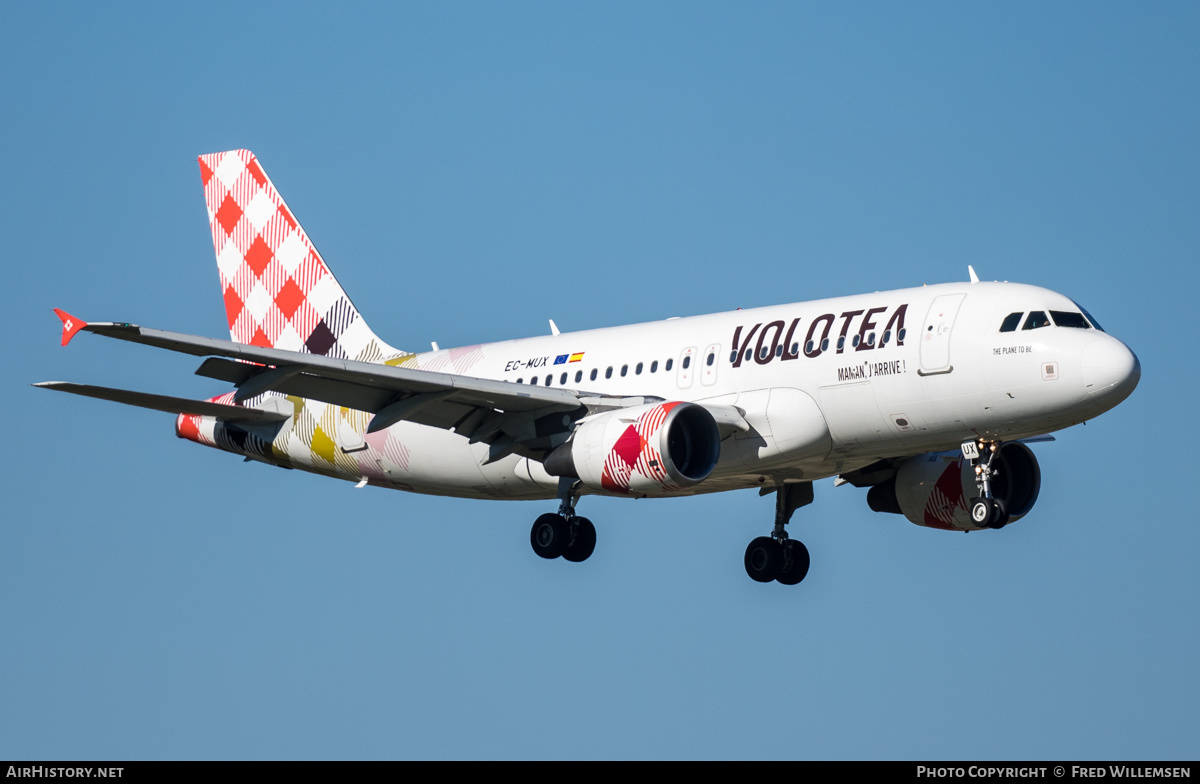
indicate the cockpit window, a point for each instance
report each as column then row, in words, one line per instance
column 1036, row 319
column 1011, row 322
column 1090, row 318
column 1065, row 318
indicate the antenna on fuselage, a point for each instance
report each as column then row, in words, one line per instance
column 553, row 327
column 974, row 277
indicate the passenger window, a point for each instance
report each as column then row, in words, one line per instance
column 654, row 366
column 841, row 344
column 795, row 349
column 687, row 362
column 592, row 376
column 624, row 370
column 667, row 367
column 1036, row 320
column 549, row 379
column 562, row 380
column 856, row 341
column 871, row 339
column 749, row 353
column 1011, row 321
column 733, row 355
column 825, row 344
column 1064, row 318
column 887, row 335
column 533, row 381
column 638, row 370
column 520, row 381
column 608, row 373
column 710, row 359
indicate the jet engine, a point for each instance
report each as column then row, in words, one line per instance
column 936, row 489
column 653, row 449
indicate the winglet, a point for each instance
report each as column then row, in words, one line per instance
column 71, row 325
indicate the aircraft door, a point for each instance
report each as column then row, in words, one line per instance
column 935, row 334
column 709, row 362
column 687, row 367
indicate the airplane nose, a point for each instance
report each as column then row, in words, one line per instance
column 1110, row 370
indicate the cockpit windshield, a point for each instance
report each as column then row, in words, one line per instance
column 1037, row 319
column 1011, row 321
column 1059, row 318
column 1064, row 318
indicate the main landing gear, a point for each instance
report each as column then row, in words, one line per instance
column 566, row 534
column 987, row 511
column 776, row 557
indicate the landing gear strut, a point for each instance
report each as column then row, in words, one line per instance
column 777, row 557
column 986, row 510
column 566, row 534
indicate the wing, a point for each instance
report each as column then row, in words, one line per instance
column 511, row 418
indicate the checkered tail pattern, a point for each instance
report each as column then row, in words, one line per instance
column 278, row 291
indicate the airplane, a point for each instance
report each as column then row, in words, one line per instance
column 927, row 396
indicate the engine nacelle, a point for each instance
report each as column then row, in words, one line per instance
column 936, row 489
column 655, row 449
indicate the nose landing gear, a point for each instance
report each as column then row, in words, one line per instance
column 986, row 510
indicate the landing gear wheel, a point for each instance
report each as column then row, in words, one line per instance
column 795, row 563
column 583, row 540
column 999, row 514
column 982, row 511
column 549, row 535
column 763, row 558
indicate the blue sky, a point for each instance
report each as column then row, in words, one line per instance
column 471, row 170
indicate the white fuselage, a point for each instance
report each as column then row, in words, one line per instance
column 827, row 386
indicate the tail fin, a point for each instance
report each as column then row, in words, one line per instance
column 278, row 291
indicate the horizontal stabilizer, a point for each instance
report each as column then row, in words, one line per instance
column 172, row 405
column 366, row 386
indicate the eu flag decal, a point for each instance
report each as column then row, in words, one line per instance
column 561, row 359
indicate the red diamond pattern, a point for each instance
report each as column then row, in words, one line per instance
column 233, row 304
column 229, row 214
column 289, row 298
column 258, row 256
column 628, row 446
